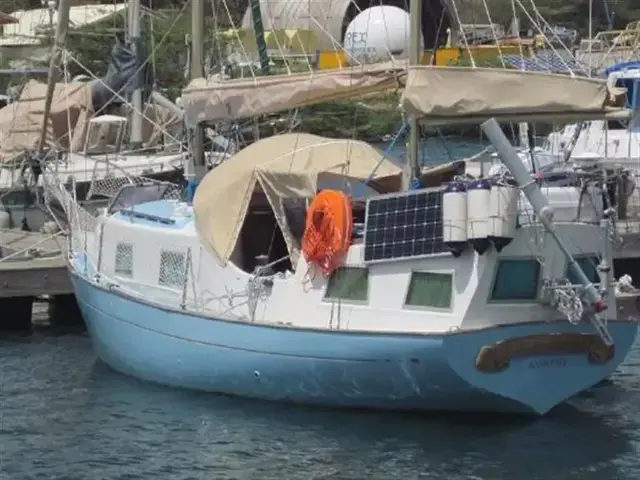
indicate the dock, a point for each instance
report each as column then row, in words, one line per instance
column 32, row 265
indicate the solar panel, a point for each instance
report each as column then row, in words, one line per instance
column 563, row 65
column 524, row 64
column 404, row 226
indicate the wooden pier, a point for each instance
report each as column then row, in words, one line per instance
column 33, row 264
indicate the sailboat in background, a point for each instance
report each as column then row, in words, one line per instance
column 460, row 296
column 111, row 129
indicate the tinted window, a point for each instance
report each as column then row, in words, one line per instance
column 429, row 289
column 516, row 280
column 349, row 283
column 131, row 195
column 589, row 266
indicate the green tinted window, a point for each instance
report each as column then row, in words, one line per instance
column 589, row 266
column 349, row 283
column 428, row 289
column 516, row 280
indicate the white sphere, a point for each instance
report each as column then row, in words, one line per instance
column 378, row 34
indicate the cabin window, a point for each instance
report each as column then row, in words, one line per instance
column 172, row 269
column 516, row 280
column 589, row 266
column 430, row 289
column 616, row 125
column 124, row 260
column 349, row 283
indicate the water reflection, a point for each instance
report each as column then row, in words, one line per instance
column 66, row 415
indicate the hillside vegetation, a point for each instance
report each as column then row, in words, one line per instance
column 572, row 14
column 165, row 39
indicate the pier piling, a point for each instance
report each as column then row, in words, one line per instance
column 15, row 313
column 33, row 265
column 63, row 311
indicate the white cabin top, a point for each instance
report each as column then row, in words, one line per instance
column 153, row 250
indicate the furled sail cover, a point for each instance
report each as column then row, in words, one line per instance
column 210, row 100
column 459, row 94
column 128, row 70
column 283, row 167
column 21, row 121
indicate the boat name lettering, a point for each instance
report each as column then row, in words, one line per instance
column 548, row 363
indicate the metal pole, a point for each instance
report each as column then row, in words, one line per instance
column 415, row 55
column 539, row 202
column 59, row 41
column 136, row 97
column 258, row 30
column 197, row 71
column 163, row 101
column 590, row 36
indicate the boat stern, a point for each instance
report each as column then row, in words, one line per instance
column 538, row 365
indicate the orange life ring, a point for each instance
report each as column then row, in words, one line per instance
column 328, row 230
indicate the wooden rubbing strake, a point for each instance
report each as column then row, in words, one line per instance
column 496, row 358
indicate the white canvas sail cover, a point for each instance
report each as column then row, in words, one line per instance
column 21, row 121
column 71, row 110
column 459, row 94
column 210, row 100
column 281, row 166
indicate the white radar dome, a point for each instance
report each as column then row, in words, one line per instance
column 378, row 34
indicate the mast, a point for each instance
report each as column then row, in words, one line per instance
column 62, row 26
column 258, row 30
column 136, row 96
column 415, row 55
column 195, row 167
column 610, row 14
column 590, row 35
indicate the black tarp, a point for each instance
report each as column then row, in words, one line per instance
column 128, row 70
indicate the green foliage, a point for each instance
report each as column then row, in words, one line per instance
column 92, row 45
column 164, row 36
column 7, row 81
column 369, row 118
column 465, row 61
column 8, row 6
column 572, row 14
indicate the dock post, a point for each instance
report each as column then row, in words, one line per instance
column 16, row 313
column 63, row 311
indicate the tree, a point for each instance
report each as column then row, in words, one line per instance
column 164, row 34
column 574, row 14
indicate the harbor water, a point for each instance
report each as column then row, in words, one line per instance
column 64, row 415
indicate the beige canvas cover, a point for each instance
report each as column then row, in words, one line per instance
column 452, row 94
column 156, row 121
column 282, row 166
column 21, row 121
column 210, row 100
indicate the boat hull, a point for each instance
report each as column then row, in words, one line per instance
column 333, row 368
